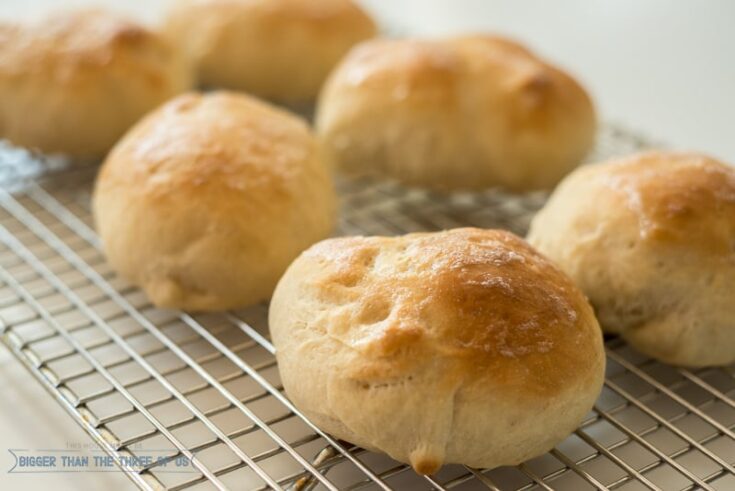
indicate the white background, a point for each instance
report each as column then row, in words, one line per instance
column 665, row 68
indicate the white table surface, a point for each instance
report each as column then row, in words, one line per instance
column 664, row 68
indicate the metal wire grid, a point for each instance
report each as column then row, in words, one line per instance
column 142, row 380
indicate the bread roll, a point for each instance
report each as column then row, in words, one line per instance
column 74, row 82
column 206, row 201
column 276, row 49
column 464, row 346
column 462, row 113
column 651, row 240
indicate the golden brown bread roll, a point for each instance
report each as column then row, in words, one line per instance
column 76, row 81
column 206, row 201
column 651, row 240
column 462, row 113
column 464, row 346
column 276, row 49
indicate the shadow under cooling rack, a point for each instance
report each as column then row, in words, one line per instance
column 205, row 387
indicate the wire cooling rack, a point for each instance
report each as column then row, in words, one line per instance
column 206, row 388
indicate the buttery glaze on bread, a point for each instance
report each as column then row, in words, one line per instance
column 462, row 113
column 464, row 346
column 276, row 49
column 651, row 240
column 76, row 81
column 206, row 201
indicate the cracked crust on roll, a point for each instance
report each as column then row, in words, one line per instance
column 464, row 346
